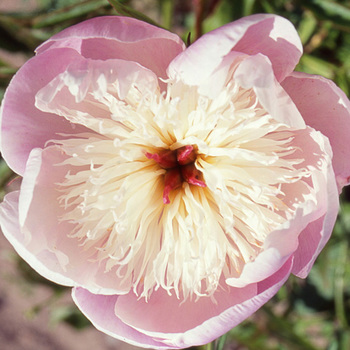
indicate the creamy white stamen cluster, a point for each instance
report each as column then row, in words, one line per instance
column 114, row 193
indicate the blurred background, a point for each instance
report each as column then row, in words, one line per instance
column 309, row 314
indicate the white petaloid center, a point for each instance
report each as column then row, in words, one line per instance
column 114, row 192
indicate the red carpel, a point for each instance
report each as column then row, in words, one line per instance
column 180, row 166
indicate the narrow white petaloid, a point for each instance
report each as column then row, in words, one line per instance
column 114, row 193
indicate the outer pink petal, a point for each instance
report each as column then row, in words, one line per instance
column 228, row 314
column 164, row 311
column 314, row 237
column 27, row 220
column 23, row 126
column 12, row 231
column 120, row 37
column 325, row 108
column 271, row 35
column 99, row 309
column 311, row 242
column 280, row 244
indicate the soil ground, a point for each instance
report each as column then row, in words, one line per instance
column 18, row 331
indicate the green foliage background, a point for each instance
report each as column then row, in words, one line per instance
column 309, row 314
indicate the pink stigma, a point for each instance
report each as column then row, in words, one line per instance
column 191, row 175
column 166, row 159
column 180, row 167
column 172, row 181
column 186, row 155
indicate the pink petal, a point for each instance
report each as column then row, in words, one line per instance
column 282, row 243
column 23, row 126
column 232, row 316
column 271, row 35
column 160, row 305
column 256, row 72
column 183, row 324
column 56, row 256
column 126, row 38
column 314, row 237
column 311, row 242
column 12, row 231
column 79, row 93
column 326, row 108
column 99, row 309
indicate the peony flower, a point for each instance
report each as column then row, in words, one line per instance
column 175, row 189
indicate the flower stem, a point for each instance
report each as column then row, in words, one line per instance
column 220, row 343
column 217, row 344
column 199, row 11
column 210, row 346
column 167, row 8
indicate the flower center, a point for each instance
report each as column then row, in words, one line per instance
column 180, row 166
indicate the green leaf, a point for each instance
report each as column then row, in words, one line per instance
column 329, row 10
column 124, row 10
column 314, row 65
column 220, row 343
column 77, row 320
column 343, row 81
column 17, row 29
column 5, row 173
column 167, row 8
column 307, row 27
column 267, row 6
column 286, row 329
column 339, row 283
column 248, row 6
column 221, row 16
column 60, row 314
column 6, row 71
column 68, row 13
